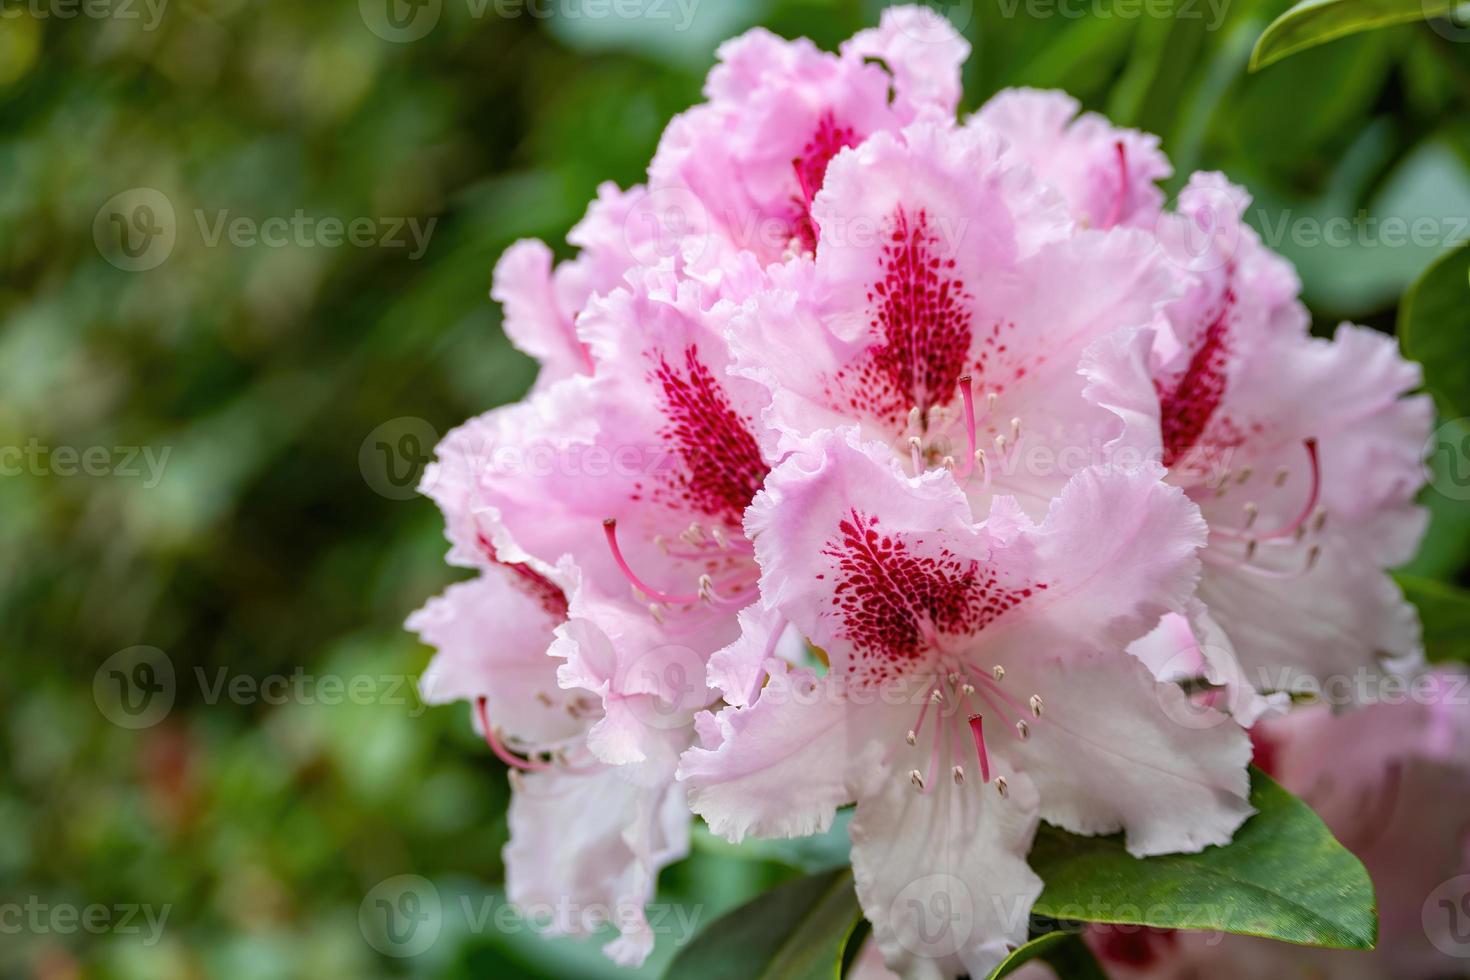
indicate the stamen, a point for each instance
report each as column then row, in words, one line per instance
column 1312, row 555
column 657, row 612
column 1281, row 476
column 1309, row 511
column 1000, row 444
column 1037, row 705
column 1023, row 730
column 1245, row 474
column 959, row 775
column 1320, row 521
column 915, row 417
column 806, row 191
column 968, row 396
column 1002, row 787
column 916, row 454
column 1251, row 513
column 982, row 462
column 977, row 729
column 917, row 778
column 610, row 529
column 505, row 755
column 912, row 737
column 999, row 672
column 948, row 463
column 1250, row 549
column 967, row 690
column 1115, row 213
column 936, row 698
column 1015, row 430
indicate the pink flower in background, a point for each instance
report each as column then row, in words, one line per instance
column 1303, row 453
column 978, row 681
column 1386, row 779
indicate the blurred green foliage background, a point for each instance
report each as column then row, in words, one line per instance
column 264, row 549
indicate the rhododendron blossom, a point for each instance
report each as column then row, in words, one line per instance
column 878, row 458
column 978, row 680
column 1303, row 453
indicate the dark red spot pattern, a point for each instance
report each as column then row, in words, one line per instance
column 925, row 314
column 1187, row 406
column 829, row 139
column 721, row 462
column 546, row 593
column 891, row 599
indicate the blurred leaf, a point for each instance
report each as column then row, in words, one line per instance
column 1284, row 876
column 1156, row 81
column 1445, row 612
column 1064, row 952
column 1314, row 22
column 795, row 932
column 1434, row 328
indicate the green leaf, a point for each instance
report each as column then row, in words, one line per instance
column 1283, row 877
column 1434, row 328
column 795, row 932
column 1445, row 611
column 1314, row 22
column 1064, row 952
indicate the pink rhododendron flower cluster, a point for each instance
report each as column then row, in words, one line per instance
column 932, row 465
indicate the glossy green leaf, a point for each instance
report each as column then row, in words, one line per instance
column 1314, row 22
column 1445, row 612
column 1064, row 952
column 795, row 932
column 1284, row 876
column 1434, row 328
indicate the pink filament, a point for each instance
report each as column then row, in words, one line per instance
column 610, row 528
column 504, row 754
column 977, row 729
column 1116, row 213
